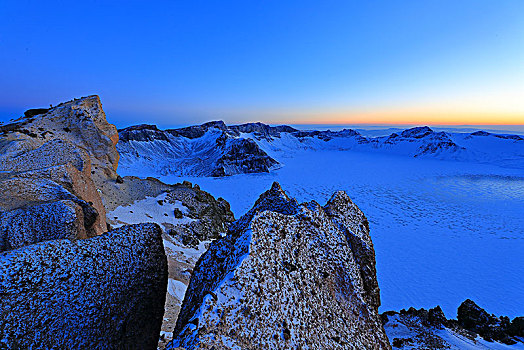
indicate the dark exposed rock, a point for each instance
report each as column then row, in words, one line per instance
column 516, row 328
column 472, row 317
column 506, row 137
column 261, row 130
column 481, row 133
column 106, row 292
column 438, row 142
column 212, row 216
column 400, row 342
column 246, row 155
column 510, row 137
column 327, row 135
column 265, row 286
column 178, row 214
column 142, row 132
column 35, row 111
column 436, row 317
column 195, row 131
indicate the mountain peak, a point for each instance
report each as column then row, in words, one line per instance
column 417, row 132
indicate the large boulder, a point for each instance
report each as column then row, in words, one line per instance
column 285, row 277
column 41, row 222
column 34, row 201
column 106, row 292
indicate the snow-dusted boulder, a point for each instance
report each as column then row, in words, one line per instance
column 106, row 292
column 41, row 222
column 286, row 277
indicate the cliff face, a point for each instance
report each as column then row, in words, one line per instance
column 284, row 277
column 106, row 292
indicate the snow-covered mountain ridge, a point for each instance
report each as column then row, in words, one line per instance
column 216, row 149
column 210, row 149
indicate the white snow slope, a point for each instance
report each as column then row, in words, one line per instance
column 444, row 230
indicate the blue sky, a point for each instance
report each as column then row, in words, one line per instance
column 184, row 62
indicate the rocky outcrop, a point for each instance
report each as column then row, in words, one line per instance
column 207, row 218
column 505, row 137
column 64, row 283
column 261, row 131
column 328, row 135
column 243, row 156
column 211, row 217
column 106, row 292
column 430, row 329
column 285, row 277
column 51, row 155
column 417, row 132
column 196, row 131
column 421, row 141
column 473, row 318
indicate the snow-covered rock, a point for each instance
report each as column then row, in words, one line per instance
column 287, row 275
column 62, row 284
column 106, row 292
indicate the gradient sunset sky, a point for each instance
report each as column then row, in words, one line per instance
column 296, row 62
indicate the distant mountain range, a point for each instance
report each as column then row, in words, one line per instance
column 216, row 149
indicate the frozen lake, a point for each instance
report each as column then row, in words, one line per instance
column 443, row 231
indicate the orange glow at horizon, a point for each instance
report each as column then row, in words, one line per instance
column 401, row 117
column 421, row 118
